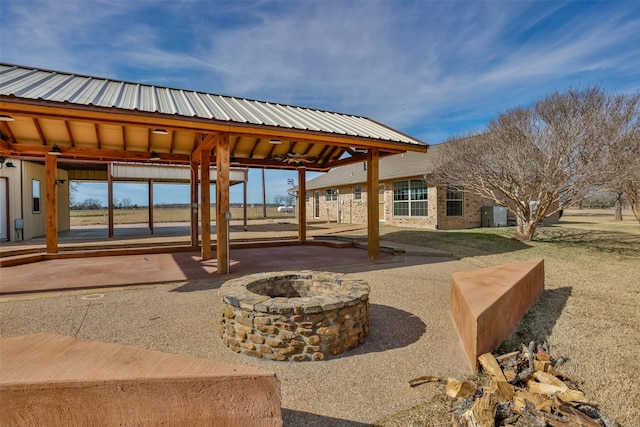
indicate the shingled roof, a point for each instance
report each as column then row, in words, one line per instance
column 409, row 164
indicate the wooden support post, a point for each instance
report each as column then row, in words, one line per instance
column 373, row 215
column 222, row 203
column 110, row 200
column 205, row 204
column 151, row 206
column 244, row 198
column 194, row 203
column 51, row 203
column 302, row 204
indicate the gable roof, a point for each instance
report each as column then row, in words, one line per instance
column 405, row 165
column 62, row 87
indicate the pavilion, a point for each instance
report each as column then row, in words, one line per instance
column 61, row 118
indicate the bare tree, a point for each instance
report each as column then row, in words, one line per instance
column 534, row 160
column 622, row 155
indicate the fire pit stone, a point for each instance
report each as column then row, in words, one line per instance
column 294, row 315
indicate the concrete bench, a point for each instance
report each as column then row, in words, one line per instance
column 487, row 303
column 48, row 379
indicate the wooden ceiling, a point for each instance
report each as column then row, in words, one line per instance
column 92, row 135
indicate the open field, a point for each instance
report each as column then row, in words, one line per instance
column 140, row 216
column 589, row 312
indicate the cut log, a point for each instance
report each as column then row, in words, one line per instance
column 484, row 410
column 456, row 389
column 492, row 368
column 542, row 388
column 510, row 375
column 543, row 366
column 426, row 379
column 572, row 396
column 544, row 357
column 545, row 378
column 575, row 415
column 535, row 398
column 507, row 356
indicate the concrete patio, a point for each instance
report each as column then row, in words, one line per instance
column 412, row 333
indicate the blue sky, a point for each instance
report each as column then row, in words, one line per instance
column 432, row 69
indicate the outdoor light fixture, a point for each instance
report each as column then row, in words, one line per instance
column 9, row 163
column 5, row 118
column 161, row 132
column 154, row 156
column 59, row 182
column 275, row 141
column 55, row 151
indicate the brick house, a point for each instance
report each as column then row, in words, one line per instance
column 404, row 197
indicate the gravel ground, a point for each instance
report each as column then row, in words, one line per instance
column 412, row 334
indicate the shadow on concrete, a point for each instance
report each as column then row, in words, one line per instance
column 390, row 328
column 293, row 418
column 539, row 321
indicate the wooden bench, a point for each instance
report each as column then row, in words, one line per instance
column 487, row 303
column 48, row 379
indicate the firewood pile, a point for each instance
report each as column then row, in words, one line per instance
column 523, row 388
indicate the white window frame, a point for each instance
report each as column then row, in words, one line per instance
column 460, row 200
column 410, row 200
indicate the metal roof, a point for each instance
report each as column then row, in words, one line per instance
column 61, row 87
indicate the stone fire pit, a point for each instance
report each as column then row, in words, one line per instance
column 294, row 315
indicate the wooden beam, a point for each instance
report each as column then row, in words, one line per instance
column 51, row 203
column 173, row 141
column 234, row 145
column 39, row 108
column 205, row 205
column 151, row 206
column 373, row 216
column 67, row 125
column 222, row 203
column 7, row 131
column 253, row 149
column 110, row 198
column 95, row 154
column 124, row 138
column 194, row 202
column 36, row 123
column 98, row 135
column 302, row 204
column 149, row 133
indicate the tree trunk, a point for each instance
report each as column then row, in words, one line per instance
column 632, row 194
column 525, row 229
column 617, row 213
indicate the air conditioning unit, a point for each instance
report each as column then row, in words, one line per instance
column 493, row 216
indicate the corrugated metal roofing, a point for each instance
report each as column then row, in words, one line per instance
column 30, row 83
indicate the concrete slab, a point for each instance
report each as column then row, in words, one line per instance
column 125, row 270
column 48, row 379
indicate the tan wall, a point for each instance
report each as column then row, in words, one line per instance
column 20, row 181
column 355, row 211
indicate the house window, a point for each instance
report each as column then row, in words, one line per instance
column 454, row 201
column 331, row 195
column 35, row 192
column 410, row 198
column 357, row 192
column 306, row 197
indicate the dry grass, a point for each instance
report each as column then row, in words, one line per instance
column 160, row 215
column 589, row 311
